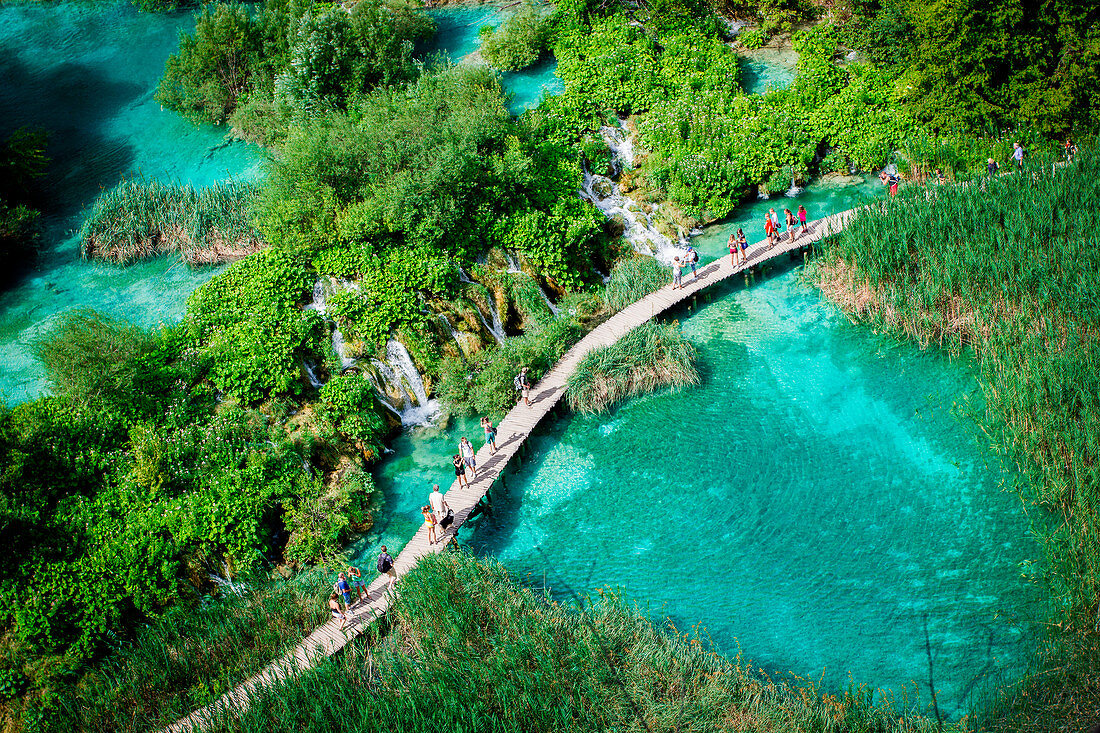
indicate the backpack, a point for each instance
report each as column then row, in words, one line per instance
column 518, row 382
column 693, row 256
column 384, row 564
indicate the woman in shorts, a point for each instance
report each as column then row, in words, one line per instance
column 460, row 470
column 468, row 455
column 490, row 434
column 802, row 218
column 334, row 608
column 429, row 522
column 790, row 224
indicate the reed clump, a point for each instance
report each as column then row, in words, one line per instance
column 633, row 279
column 652, row 356
column 138, row 219
column 1009, row 267
column 469, row 649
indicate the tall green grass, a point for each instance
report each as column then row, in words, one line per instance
column 138, row 219
column 191, row 656
column 470, row 650
column 633, row 279
column 652, row 356
column 1010, row 268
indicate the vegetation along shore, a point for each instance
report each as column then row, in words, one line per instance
column 169, row 507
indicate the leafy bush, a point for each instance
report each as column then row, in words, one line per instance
column 753, row 38
column 250, row 328
column 519, row 42
column 350, row 406
column 483, row 385
column 205, row 78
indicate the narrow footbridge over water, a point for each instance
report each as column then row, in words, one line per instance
column 512, row 432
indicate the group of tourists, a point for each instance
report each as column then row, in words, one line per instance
column 352, row 580
column 796, row 225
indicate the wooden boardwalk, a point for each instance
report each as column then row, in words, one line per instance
column 512, row 431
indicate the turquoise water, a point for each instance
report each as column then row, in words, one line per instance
column 813, row 505
column 457, row 37
column 766, row 69
column 87, row 72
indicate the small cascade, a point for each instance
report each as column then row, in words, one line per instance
column 794, row 190
column 226, row 584
column 638, row 227
column 420, row 412
column 621, row 143
column 311, row 374
column 319, row 303
column 513, row 266
column 463, row 277
column 549, row 303
column 454, row 333
column 498, row 324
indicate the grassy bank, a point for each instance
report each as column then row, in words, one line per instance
column 471, row 650
column 652, row 356
column 138, row 219
column 189, row 657
column 1010, row 268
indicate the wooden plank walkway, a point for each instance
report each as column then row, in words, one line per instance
column 512, row 431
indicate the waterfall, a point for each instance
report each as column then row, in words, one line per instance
column 549, row 303
column 794, row 190
column 498, row 325
column 311, row 374
column 638, row 228
column 424, row 409
column 513, row 266
column 621, row 143
column 454, row 334
column 319, row 303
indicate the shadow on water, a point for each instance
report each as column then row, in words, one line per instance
column 73, row 102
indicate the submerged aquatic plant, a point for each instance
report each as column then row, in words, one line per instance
column 138, row 219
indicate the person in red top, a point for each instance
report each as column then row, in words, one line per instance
column 769, row 229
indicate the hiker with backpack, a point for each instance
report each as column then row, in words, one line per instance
column 441, row 508
column 523, row 385
column 357, row 581
column 385, row 565
column 691, row 258
column 490, row 434
column 466, row 450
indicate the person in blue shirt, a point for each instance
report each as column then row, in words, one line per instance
column 344, row 588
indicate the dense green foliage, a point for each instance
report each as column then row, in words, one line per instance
column 519, row 42
column 652, row 356
column 22, row 161
column 469, row 650
column 188, row 658
column 633, row 279
column 249, row 325
column 138, row 219
column 290, row 57
column 1018, row 285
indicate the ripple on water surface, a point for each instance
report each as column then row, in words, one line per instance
column 814, row 503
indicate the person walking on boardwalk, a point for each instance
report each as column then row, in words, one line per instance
column 991, row 167
column 342, row 587
column 677, row 273
column 735, row 249
column 334, row 608
column 357, row 582
column 1018, row 155
column 429, row 522
column 490, row 435
column 438, row 502
column 802, row 219
column 743, row 245
column 775, row 223
column 468, row 455
column 769, row 229
column 522, row 383
column 790, row 224
column 691, row 257
column 386, row 566
column 460, row 470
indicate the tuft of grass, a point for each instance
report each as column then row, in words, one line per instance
column 138, row 219
column 652, row 356
column 633, row 279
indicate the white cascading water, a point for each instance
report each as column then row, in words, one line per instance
column 794, row 190
column 319, row 303
column 424, row 409
column 454, row 333
column 311, row 374
column 605, row 194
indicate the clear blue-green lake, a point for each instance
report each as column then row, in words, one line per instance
column 815, row 505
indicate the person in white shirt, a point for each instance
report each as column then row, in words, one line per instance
column 1018, row 155
column 437, row 502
